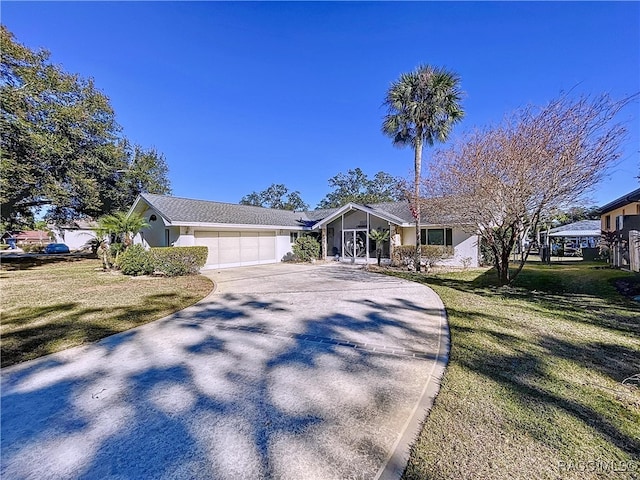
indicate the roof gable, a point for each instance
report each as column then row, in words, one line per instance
column 365, row 208
column 178, row 211
column 184, row 211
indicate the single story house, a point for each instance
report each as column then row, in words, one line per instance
column 29, row 237
column 239, row 235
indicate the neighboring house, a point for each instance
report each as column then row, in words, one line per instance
column 246, row 235
column 32, row 237
column 75, row 235
column 621, row 219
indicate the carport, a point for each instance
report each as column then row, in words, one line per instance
column 575, row 238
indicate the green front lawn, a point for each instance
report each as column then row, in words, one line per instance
column 55, row 304
column 534, row 388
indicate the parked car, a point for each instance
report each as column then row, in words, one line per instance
column 56, row 248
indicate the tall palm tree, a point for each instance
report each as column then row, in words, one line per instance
column 422, row 108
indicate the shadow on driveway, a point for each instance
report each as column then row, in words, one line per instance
column 259, row 380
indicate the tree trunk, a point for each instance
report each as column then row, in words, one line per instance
column 416, row 197
column 503, row 269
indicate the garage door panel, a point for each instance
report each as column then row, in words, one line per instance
column 249, row 247
column 229, row 245
column 209, row 240
column 267, row 243
column 237, row 248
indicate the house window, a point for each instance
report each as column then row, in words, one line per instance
column 293, row 236
column 607, row 222
column 436, row 236
column 619, row 222
column 166, row 238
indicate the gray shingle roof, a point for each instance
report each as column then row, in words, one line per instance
column 582, row 225
column 179, row 210
column 397, row 209
column 185, row 210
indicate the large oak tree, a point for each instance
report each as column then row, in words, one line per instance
column 61, row 145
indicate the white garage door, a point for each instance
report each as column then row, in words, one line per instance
column 233, row 249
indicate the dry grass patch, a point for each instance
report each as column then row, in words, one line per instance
column 53, row 306
column 534, row 384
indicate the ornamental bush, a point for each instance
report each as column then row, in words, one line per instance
column 306, row 249
column 404, row 255
column 177, row 261
column 135, row 260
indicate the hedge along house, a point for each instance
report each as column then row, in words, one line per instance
column 238, row 235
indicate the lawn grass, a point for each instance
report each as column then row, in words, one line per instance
column 53, row 305
column 533, row 389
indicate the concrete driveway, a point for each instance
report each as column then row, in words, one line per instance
column 285, row 371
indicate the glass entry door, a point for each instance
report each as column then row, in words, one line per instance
column 354, row 243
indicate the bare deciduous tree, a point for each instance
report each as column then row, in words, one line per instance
column 500, row 181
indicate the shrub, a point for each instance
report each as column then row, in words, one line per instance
column 404, row 254
column 115, row 249
column 432, row 254
column 32, row 248
column 306, row 249
column 486, row 254
column 176, row 261
column 135, row 260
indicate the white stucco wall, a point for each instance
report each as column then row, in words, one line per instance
column 408, row 235
column 283, row 244
column 154, row 235
column 75, row 239
column 186, row 238
column 465, row 245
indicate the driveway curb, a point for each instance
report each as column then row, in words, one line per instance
column 398, row 458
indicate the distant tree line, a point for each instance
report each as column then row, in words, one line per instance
column 353, row 186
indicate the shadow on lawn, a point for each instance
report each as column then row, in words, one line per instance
column 214, row 399
column 27, row 339
column 480, row 339
column 524, row 375
column 524, row 359
column 27, row 261
column 553, row 293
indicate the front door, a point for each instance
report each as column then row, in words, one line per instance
column 354, row 243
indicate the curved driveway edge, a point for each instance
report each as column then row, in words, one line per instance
column 285, row 371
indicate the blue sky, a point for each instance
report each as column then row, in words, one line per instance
column 241, row 95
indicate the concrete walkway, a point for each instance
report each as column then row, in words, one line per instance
column 284, row 372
